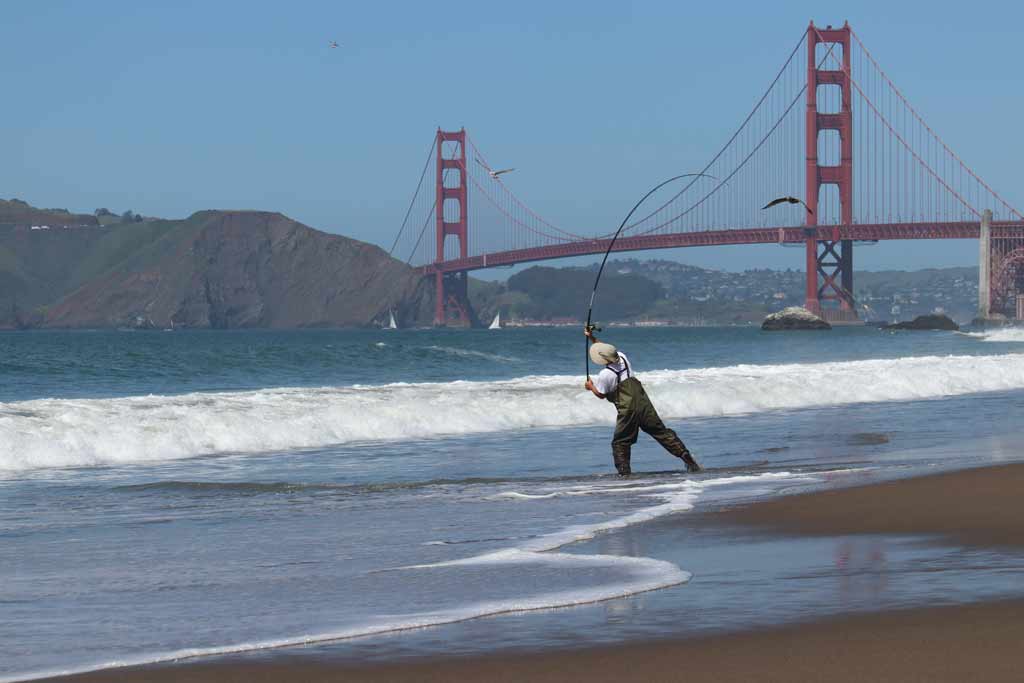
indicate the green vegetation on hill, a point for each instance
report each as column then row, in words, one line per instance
column 634, row 290
column 213, row 269
column 16, row 212
column 38, row 267
column 563, row 292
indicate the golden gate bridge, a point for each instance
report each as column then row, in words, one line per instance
column 831, row 125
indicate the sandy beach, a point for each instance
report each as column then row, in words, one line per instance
column 976, row 507
column 979, row 507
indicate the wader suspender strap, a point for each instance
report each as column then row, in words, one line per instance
column 618, row 373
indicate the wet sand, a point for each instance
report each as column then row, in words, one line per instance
column 977, row 507
column 982, row 507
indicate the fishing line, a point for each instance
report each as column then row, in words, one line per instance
column 611, row 244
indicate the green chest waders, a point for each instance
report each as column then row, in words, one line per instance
column 635, row 413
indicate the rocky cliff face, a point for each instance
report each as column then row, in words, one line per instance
column 226, row 269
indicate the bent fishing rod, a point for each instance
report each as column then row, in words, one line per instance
column 590, row 311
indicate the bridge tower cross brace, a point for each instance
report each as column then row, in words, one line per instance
column 829, row 261
column 451, row 301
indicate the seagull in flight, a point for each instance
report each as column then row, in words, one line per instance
column 333, row 44
column 493, row 174
column 789, row 200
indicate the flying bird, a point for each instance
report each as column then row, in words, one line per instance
column 493, row 174
column 334, row 44
column 789, row 200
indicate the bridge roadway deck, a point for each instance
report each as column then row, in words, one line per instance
column 710, row 238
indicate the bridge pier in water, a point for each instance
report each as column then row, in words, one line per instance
column 984, row 265
column 451, row 303
column 1000, row 270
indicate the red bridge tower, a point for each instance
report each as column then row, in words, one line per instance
column 452, row 294
column 832, row 260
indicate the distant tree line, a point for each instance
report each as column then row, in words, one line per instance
column 126, row 217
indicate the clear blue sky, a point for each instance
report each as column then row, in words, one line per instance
column 168, row 108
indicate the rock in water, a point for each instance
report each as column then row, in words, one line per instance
column 794, row 318
column 926, row 322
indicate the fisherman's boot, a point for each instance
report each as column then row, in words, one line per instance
column 620, row 454
column 671, row 442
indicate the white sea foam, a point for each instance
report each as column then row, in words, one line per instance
column 645, row 575
column 60, row 433
column 637, row 574
column 579, row 491
column 470, row 353
column 1008, row 334
column 670, row 499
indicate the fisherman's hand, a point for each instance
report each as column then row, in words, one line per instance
column 589, row 385
column 588, row 331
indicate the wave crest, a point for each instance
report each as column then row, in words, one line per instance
column 1005, row 335
column 60, row 433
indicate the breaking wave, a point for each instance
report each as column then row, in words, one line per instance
column 61, row 433
column 1009, row 334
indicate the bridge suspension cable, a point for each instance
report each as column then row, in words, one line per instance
column 516, row 202
column 412, row 202
column 760, row 188
column 885, row 121
column 742, row 127
column 722, row 183
column 920, row 119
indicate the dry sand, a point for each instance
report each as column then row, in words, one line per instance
column 982, row 642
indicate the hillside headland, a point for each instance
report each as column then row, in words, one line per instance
column 214, row 269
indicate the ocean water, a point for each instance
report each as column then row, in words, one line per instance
column 169, row 494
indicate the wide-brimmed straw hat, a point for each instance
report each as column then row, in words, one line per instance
column 603, row 354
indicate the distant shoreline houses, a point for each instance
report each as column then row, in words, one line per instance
column 76, row 226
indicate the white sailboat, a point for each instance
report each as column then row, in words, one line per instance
column 496, row 323
column 392, row 325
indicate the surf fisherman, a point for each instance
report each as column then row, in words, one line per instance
column 616, row 383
